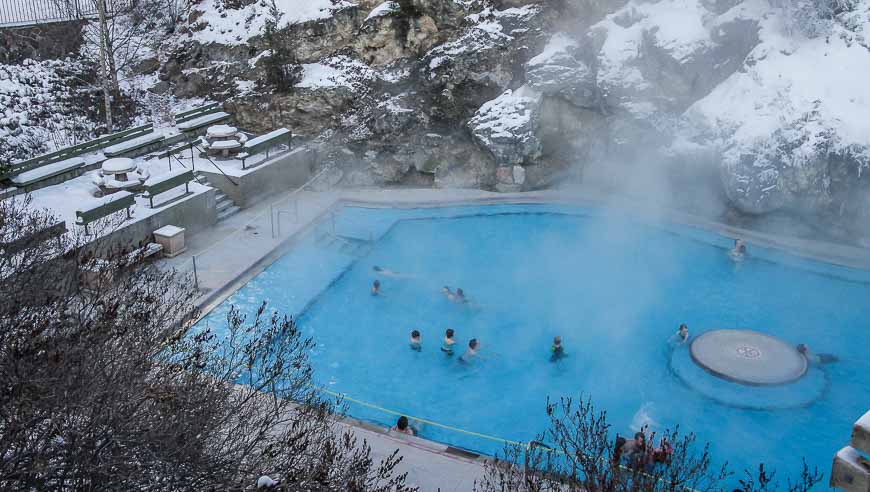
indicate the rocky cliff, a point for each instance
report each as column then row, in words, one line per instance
column 745, row 107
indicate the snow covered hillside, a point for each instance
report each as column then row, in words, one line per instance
column 758, row 104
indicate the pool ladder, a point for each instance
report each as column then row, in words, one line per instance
column 345, row 245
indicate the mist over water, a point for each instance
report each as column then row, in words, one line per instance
column 614, row 287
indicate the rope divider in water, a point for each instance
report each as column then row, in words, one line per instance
column 526, row 445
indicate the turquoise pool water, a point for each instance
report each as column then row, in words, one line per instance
column 612, row 287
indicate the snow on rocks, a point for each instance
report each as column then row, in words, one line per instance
column 383, row 10
column 218, row 24
column 667, row 53
column 336, row 71
column 507, row 126
column 792, row 125
column 556, row 71
column 39, row 108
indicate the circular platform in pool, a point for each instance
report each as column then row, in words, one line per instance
column 748, row 357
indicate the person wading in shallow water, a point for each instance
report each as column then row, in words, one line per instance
column 376, row 288
column 556, row 351
column 416, row 341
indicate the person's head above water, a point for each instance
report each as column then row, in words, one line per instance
column 449, row 333
column 802, row 348
column 415, row 334
column 684, row 329
column 459, row 293
column 376, row 285
column 557, row 341
column 472, row 344
column 402, row 423
column 639, row 438
column 377, row 268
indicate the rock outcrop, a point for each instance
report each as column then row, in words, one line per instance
column 512, row 94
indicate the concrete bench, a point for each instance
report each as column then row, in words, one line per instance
column 201, row 122
column 131, row 146
column 166, row 182
column 196, row 112
column 115, row 202
column 265, row 143
column 67, row 153
column 47, row 171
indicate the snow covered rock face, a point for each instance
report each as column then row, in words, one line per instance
column 792, row 125
column 480, row 64
column 557, row 71
column 507, row 126
column 663, row 56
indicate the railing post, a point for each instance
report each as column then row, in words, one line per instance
column 195, row 277
column 272, row 219
column 296, row 209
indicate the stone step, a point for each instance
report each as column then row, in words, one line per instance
column 229, row 211
column 221, row 197
column 224, row 204
column 861, row 434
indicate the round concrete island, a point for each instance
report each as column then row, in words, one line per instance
column 748, row 357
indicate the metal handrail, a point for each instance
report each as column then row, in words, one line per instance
column 256, row 218
column 192, row 145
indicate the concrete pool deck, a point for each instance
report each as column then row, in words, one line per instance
column 237, row 249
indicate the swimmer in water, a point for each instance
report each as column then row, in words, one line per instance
column 448, row 293
column 416, row 341
column 376, row 288
column 459, row 297
column 387, row 272
column 557, row 351
column 738, row 252
column 680, row 337
column 470, row 352
column 447, row 346
column 816, row 359
column 403, row 426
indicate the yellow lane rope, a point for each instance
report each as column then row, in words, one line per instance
column 528, row 445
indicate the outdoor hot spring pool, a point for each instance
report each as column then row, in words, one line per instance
column 613, row 287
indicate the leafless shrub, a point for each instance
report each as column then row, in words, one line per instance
column 103, row 387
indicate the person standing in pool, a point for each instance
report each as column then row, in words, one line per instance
column 738, row 252
column 416, row 341
column 470, row 352
column 680, row 337
column 403, row 426
column 556, row 351
column 447, row 345
column 376, row 288
column 816, row 359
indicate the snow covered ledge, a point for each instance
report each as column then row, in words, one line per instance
column 851, row 468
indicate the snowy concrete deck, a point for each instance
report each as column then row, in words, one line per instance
column 236, row 250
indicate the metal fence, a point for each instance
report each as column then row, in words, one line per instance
column 32, row 12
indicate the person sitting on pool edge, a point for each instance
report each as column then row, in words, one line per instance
column 403, row 426
column 816, row 359
column 470, row 352
column 680, row 337
column 376, row 288
column 447, row 346
column 416, row 341
column 738, row 252
column 556, row 351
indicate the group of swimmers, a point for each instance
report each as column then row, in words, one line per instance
column 638, row 453
column 416, row 344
